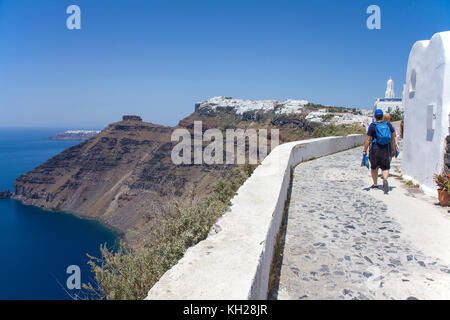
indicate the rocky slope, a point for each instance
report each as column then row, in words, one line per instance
column 5, row 194
column 124, row 175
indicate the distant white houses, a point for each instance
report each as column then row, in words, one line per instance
column 389, row 102
column 82, row 131
column 317, row 116
column 75, row 135
column 289, row 106
column 427, row 108
column 241, row 106
column 339, row 118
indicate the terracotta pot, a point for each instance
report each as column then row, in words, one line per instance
column 443, row 197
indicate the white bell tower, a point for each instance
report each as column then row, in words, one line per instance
column 390, row 89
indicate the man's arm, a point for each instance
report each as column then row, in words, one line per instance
column 369, row 138
column 367, row 143
column 394, row 143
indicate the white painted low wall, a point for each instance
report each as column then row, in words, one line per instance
column 234, row 261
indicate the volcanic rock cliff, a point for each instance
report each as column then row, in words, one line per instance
column 124, row 174
column 119, row 177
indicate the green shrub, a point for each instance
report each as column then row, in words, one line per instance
column 396, row 115
column 340, row 130
column 130, row 273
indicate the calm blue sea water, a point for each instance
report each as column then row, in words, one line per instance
column 37, row 246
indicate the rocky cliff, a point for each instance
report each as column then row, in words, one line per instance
column 5, row 194
column 119, row 177
column 124, row 175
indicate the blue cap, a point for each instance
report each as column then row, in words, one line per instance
column 378, row 113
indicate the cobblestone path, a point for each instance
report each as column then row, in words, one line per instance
column 342, row 243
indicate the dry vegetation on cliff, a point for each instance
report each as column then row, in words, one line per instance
column 340, row 130
column 130, row 273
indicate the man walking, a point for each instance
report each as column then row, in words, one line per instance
column 381, row 135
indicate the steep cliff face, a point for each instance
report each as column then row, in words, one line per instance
column 120, row 177
column 124, row 175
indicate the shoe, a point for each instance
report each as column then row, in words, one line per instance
column 385, row 186
column 374, row 187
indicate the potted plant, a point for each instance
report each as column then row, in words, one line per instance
column 443, row 182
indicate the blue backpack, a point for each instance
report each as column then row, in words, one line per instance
column 383, row 133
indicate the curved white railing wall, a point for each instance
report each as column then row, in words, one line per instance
column 234, row 261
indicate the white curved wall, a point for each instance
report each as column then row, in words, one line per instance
column 423, row 151
column 234, row 261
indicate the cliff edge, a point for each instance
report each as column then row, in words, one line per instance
column 124, row 175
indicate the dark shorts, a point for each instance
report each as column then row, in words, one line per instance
column 380, row 158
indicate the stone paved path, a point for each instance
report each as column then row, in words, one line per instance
column 342, row 242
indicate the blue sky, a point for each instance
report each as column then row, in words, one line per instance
column 157, row 58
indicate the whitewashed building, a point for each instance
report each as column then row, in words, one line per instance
column 427, row 108
column 389, row 102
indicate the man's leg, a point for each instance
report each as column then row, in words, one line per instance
column 373, row 166
column 386, row 165
column 374, row 173
column 385, row 175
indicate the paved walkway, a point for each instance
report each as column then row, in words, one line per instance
column 345, row 241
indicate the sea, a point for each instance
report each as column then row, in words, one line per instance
column 41, row 251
